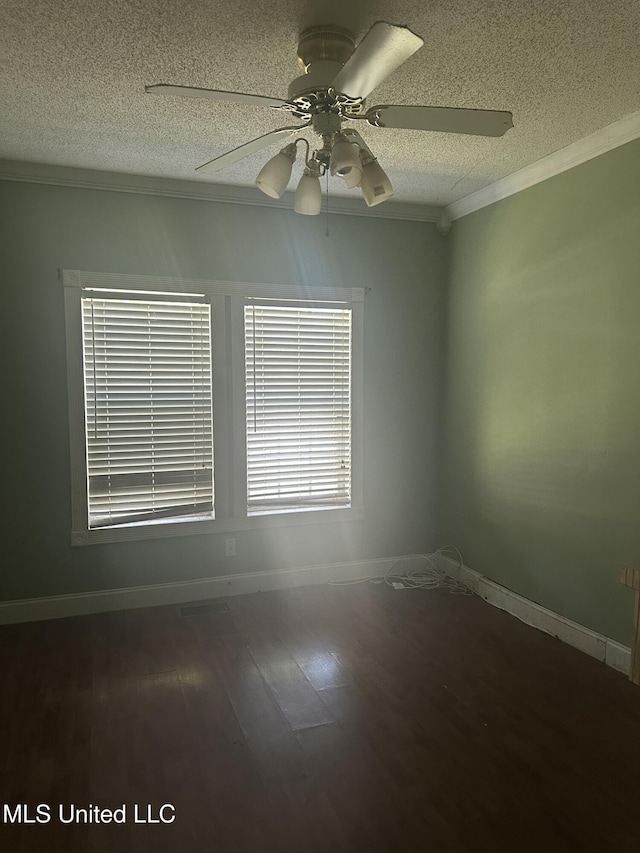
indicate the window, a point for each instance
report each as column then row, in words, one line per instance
column 148, row 419
column 298, row 376
column 202, row 406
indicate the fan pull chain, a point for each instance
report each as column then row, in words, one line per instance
column 326, row 233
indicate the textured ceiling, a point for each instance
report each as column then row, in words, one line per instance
column 72, row 77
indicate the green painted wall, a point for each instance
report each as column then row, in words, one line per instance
column 46, row 228
column 540, row 481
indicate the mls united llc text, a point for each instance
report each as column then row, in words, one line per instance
column 21, row 813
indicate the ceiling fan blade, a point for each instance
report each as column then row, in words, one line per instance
column 380, row 52
column 441, row 119
column 214, row 95
column 248, row 148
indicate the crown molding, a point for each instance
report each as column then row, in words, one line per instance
column 68, row 176
column 607, row 138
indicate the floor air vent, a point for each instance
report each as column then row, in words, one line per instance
column 203, row 609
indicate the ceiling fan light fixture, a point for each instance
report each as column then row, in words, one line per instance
column 275, row 174
column 308, row 198
column 338, row 77
column 345, row 161
column 375, row 184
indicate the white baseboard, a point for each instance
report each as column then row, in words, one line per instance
column 603, row 648
column 60, row 606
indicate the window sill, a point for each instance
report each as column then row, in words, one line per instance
column 198, row 526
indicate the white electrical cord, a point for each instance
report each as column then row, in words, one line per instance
column 427, row 577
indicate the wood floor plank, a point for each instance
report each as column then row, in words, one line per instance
column 292, row 690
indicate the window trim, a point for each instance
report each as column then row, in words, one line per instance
column 227, row 301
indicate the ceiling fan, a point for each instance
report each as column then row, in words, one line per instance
column 337, row 77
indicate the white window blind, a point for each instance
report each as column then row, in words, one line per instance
column 148, row 407
column 298, row 406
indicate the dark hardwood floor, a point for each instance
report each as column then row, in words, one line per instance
column 318, row 719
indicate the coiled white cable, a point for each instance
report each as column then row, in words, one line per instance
column 426, row 577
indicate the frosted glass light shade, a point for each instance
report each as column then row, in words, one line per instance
column 274, row 175
column 308, row 199
column 376, row 186
column 345, row 162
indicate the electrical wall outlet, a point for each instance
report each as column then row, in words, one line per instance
column 229, row 547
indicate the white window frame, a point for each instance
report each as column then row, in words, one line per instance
column 227, row 300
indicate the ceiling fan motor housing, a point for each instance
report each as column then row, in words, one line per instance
column 317, row 79
column 324, row 44
column 322, row 52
